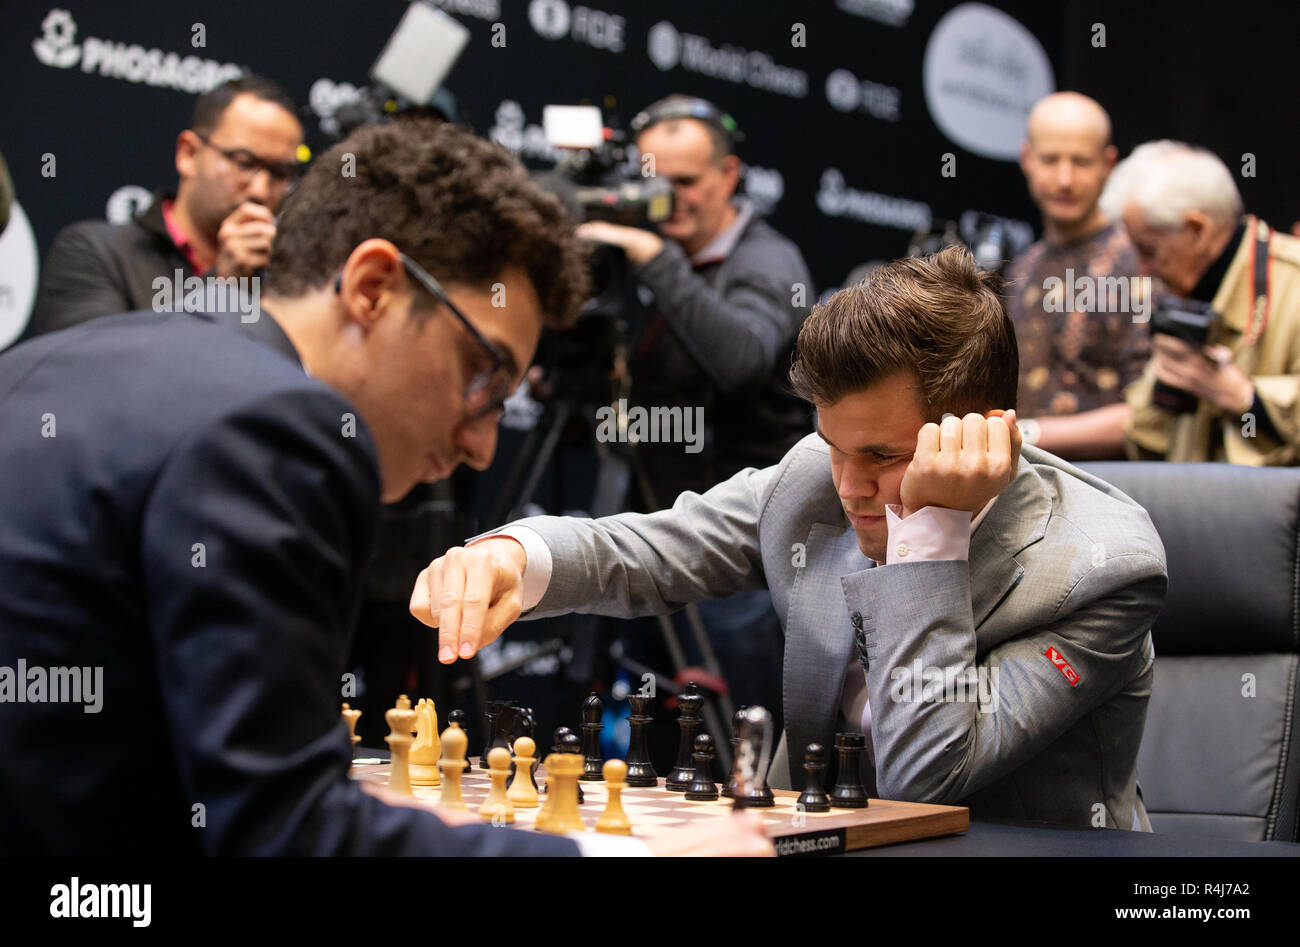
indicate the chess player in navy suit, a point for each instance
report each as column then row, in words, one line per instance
column 189, row 508
column 980, row 613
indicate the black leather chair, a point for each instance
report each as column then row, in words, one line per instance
column 1221, row 752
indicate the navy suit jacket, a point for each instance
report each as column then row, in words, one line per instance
column 183, row 508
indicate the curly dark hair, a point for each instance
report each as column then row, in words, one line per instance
column 940, row 317
column 460, row 206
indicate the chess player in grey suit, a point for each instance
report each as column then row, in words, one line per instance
column 983, row 612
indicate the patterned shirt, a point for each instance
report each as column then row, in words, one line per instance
column 1080, row 314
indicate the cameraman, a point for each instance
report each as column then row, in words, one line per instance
column 1184, row 214
column 730, row 295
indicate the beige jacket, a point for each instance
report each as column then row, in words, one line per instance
column 1272, row 364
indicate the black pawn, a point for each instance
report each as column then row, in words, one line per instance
column 458, row 718
column 729, row 788
column 814, row 798
column 566, row 741
column 592, row 710
column 702, row 787
column 689, row 702
column 849, row 793
column 640, row 771
column 493, row 707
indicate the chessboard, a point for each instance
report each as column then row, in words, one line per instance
column 654, row 811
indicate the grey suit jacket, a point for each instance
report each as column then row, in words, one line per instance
column 1054, row 608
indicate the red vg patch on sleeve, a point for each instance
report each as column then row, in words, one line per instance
column 1062, row 665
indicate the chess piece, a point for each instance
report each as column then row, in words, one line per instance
column 849, row 793
column 729, row 788
column 562, row 772
column 564, row 741
column 752, row 759
column 527, row 727
column 400, row 719
column 640, row 771
column 457, row 718
column 592, row 709
column 351, row 717
column 689, row 702
column 614, row 820
column 452, row 764
column 427, row 747
column 814, row 798
column 523, row 792
column 491, row 709
column 702, row 787
column 496, row 807
column 507, row 723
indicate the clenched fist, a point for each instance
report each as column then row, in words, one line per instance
column 962, row 463
column 470, row 595
column 244, row 240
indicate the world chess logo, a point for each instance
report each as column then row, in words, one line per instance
column 549, row 18
column 56, row 47
column 664, row 45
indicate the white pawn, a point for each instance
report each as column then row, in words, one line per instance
column 522, row 792
column 496, row 807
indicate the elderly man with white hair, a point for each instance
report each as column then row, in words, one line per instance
column 1183, row 213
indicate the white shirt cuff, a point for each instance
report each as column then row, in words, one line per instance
column 537, row 569
column 598, row 845
column 930, row 534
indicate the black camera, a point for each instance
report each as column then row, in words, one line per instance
column 1197, row 324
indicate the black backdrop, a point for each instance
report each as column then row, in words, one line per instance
column 107, row 131
column 1196, row 71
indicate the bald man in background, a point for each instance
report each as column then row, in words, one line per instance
column 1078, row 352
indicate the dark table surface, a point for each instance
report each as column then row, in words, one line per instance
column 983, row 839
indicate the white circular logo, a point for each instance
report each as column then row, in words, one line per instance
column 126, row 202
column 55, row 47
column 665, row 45
column 983, row 72
column 19, row 267
column 550, row 18
column 843, row 90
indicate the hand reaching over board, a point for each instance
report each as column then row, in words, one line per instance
column 471, row 594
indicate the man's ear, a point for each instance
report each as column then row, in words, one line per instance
column 373, row 278
column 1198, row 223
column 1109, row 157
column 187, row 149
column 731, row 171
column 1024, row 157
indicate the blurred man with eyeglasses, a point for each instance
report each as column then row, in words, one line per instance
column 194, row 506
column 236, row 162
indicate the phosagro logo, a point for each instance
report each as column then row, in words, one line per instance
column 55, row 48
column 132, row 62
column 327, row 97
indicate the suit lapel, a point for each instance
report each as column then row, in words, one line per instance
column 819, row 639
column 1017, row 519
